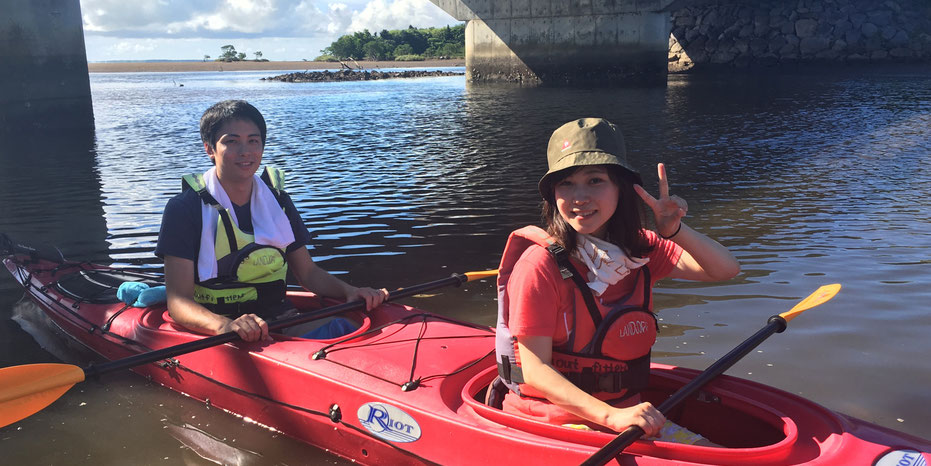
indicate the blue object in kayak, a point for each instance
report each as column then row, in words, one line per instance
column 129, row 291
column 139, row 294
column 152, row 296
column 332, row 329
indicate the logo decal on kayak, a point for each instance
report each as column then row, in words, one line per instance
column 388, row 422
column 902, row 458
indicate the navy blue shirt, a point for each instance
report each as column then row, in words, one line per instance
column 181, row 225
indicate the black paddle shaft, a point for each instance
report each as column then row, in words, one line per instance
column 776, row 324
column 216, row 340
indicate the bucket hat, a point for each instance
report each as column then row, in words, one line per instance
column 586, row 141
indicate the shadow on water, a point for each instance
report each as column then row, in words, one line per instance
column 51, row 191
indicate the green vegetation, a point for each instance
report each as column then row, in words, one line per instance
column 230, row 54
column 400, row 44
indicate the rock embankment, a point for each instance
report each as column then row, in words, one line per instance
column 740, row 34
column 350, row 75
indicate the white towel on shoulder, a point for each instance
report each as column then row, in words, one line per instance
column 270, row 225
column 607, row 263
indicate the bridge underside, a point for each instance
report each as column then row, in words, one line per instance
column 44, row 84
column 564, row 42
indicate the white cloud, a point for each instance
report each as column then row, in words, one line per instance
column 398, row 14
column 244, row 16
column 134, row 47
column 150, row 29
column 340, row 18
column 271, row 18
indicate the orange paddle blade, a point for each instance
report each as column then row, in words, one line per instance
column 24, row 390
column 820, row 296
column 480, row 275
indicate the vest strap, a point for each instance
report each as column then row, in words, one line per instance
column 569, row 271
column 509, row 371
column 196, row 182
column 274, row 179
column 230, row 231
column 634, row 379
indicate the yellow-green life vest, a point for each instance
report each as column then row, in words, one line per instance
column 251, row 278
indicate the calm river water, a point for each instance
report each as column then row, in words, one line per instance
column 810, row 178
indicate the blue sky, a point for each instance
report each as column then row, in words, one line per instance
column 280, row 29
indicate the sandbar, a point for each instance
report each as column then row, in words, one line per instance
column 189, row 66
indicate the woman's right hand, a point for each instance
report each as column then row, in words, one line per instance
column 249, row 327
column 644, row 415
column 668, row 209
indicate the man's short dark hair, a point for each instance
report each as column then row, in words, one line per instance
column 228, row 110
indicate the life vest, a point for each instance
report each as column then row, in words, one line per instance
column 251, row 278
column 607, row 353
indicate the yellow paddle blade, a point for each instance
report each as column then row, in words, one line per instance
column 820, row 296
column 24, row 390
column 480, row 275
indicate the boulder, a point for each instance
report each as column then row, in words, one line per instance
column 805, row 28
column 853, row 36
column 685, row 21
column 722, row 56
column 880, row 17
column 900, row 39
column 789, row 50
column 857, row 19
column 869, row 29
column 813, row 45
column 888, row 32
column 777, row 43
column 901, row 52
column 691, row 35
column 841, row 28
column 758, row 46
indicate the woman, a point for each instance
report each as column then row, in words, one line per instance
column 575, row 322
column 230, row 237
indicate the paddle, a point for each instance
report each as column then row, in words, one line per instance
column 26, row 389
column 775, row 324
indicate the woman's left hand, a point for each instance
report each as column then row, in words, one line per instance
column 372, row 297
column 668, row 210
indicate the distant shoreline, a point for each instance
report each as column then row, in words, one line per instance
column 189, row 66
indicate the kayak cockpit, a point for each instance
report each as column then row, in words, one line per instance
column 747, row 420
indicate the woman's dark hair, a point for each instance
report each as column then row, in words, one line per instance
column 624, row 227
column 228, row 110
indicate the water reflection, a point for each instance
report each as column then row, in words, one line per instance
column 50, row 190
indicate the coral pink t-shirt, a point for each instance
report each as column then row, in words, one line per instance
column 541, row 305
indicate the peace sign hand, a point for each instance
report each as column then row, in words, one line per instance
column 668, row 210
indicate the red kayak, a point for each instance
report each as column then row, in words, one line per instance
column 408, row 387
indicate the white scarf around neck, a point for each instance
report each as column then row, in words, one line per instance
column 607, row 263
column 270, row 225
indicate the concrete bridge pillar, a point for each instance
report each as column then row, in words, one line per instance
column 564, row 42
column 44, row 82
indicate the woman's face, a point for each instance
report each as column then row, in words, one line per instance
column 587, row 199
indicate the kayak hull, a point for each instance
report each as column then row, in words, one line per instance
column 407, row 388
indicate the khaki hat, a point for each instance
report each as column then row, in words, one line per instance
column 586, row 141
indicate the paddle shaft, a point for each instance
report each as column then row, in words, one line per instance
column 216, row 340
column 775, row 324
